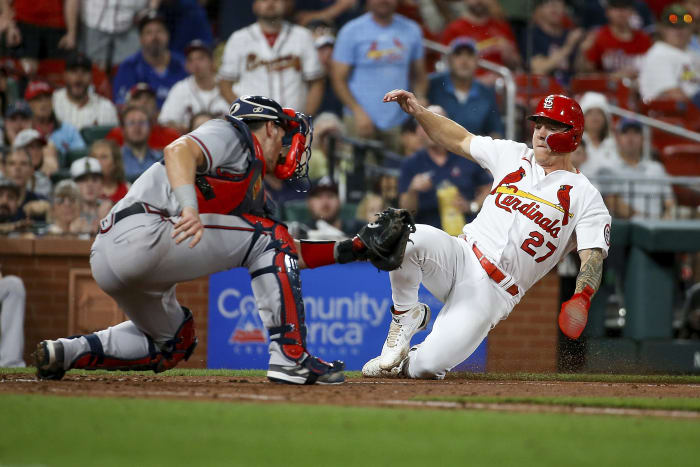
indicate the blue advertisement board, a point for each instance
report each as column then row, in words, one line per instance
column 347, row 317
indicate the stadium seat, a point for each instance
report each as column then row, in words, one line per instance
column 74, row 155
column 660, row 139
column 671, row 108
column 683, row 160
column 298, row 210
column 613, row 88
column 531, row 88
column 91, row 134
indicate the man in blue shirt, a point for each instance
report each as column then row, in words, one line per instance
column 136, row 154
column 154, row 64
column 466, row 100
column 424, row 172
column 375, row 53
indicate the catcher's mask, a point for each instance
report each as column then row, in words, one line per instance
column 294, row 166
column 564, row 110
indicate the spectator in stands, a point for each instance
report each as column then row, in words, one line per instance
column 617, row 47
column 410, row 141
column 669, row 69
column 86, row 172
column 197, row 93
column 325, row 125
column 77, row 103
column 590, row 14
column 65, row 211
column 597, row 133
column 370, row 205
column 38, row 30
column 554, row 45
column 154, row 64
column 187, row 21
column 579, row 156
column 424, row 172
column 324, row 44
column 335, row 12
column 273, row 58
column 10, row 218
column 108, row 33
column 137, row 155
column 114, row 185
column 63, row 136
column 17, row 166
column 326, row 220
column 467, row 101
column 142, row 95
column 31, row 141
column 198, row 119
column 17, row 118
column 373, row 54
column 494, row 37
column 641, row 194
column 12, row 304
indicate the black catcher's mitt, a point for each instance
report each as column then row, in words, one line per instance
column 386, row 238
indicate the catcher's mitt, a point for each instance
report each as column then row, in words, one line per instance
column 386, row 238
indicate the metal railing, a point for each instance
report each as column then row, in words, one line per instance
column 649, row 122
column 508, row 82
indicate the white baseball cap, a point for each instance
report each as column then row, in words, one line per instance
column 85, row 166
column 26, row 137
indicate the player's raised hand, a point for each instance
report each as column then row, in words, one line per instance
column 189, row 225
column 406, row 100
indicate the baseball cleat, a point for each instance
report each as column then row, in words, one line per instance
column 309, row 370
column 48, row 360
column 401, row 330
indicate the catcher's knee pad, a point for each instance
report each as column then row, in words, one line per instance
column 158, row 359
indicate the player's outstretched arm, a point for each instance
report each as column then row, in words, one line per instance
column 182, row 157
column 574, row 312
column 445, row 132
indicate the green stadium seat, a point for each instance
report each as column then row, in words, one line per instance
column 92, row 133
column 74, row 155
column 297, row 210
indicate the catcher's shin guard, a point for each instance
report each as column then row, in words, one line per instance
column 158, row 359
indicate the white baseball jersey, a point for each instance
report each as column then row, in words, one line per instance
column 531, row 220
column 97, row 111
column 279, row 72
column 186, row 99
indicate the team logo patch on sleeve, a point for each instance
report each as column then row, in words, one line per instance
column 606, row 234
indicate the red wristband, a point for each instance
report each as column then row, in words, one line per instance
column 317, row 254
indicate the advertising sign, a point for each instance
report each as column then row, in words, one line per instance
column 347, row 318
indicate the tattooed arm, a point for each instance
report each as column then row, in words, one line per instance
column 591, row 270
column 574, row 312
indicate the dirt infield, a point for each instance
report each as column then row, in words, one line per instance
column 355, row 392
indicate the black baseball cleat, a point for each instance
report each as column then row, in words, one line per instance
column 48, row 360
column 309, row 370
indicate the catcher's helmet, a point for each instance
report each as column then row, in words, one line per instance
column 564, row 110
column 298, row 135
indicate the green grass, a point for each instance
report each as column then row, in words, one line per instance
column 573, row 377
column 678, row 403
column 49, row 430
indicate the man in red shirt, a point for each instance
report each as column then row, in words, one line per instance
column 615, row 48
column 37, row 30
column 142, row 95
column 494, row 37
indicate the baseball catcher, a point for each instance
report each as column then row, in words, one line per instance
column 201, row 210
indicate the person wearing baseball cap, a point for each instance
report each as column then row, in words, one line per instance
column 31, row 141
column 143, row 96
column 466, row 100
column 63, row 136
column 197, row 93
column 324, row 207
column 86, row 172
column 77, row 103
column 154, row 64
column 679, row 75
column 9, row 204
column 17, row 118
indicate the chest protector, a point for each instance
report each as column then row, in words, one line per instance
column 231, row 193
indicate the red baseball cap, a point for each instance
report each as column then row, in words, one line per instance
column 37, row 88
column 138, row 88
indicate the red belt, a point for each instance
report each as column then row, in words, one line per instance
column 492, row 271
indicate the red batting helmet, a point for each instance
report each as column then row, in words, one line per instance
column 564, row 110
